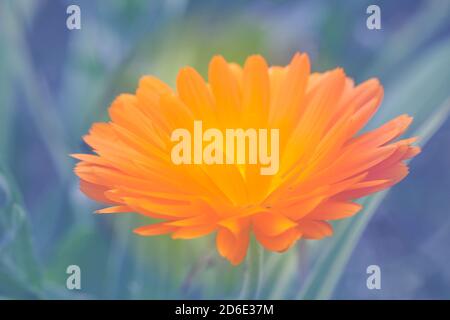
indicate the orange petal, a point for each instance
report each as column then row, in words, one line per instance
column 193, row 232
column 154, row 229
column 94, row 191
column 278, row 243
column 272, row 224
column 256, row 94
column 232, row 247
column 194, row 93
column 116, row 209
column 333, row 210
column 314, row 229
column 226, row 91
column 286, row 101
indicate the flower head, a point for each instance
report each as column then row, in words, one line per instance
column 324, row 162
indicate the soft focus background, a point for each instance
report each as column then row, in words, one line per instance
column 54, row 83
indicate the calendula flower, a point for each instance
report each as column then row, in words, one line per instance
column 320, row 163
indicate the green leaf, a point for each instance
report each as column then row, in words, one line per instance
column 253, row 273
column 281, row 274
column 19, row 270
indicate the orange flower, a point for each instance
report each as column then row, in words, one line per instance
column 324, row 164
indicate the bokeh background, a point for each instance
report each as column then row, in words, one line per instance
column 55, row 82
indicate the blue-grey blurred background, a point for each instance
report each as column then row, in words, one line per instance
column 55, row 82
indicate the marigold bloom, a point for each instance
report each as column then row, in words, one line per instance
column 325, row 164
